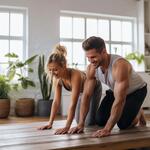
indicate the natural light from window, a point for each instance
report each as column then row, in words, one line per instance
column 12, row 34
column 117, row 33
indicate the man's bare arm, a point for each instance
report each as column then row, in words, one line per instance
column 121, row 76
column 121, row 72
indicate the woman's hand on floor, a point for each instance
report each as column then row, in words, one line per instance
column 62, row 130
column 77, row 129
column 45, row 127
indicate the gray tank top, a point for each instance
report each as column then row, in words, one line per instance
column 135, row 81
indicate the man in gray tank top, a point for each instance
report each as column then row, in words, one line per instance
column 122, row 103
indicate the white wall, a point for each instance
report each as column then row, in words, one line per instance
column 44, row 17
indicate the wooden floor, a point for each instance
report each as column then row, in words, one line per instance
column 25, row 136
column 14, row 119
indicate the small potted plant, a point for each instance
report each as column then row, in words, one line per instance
column 139, row 58
column 136, row 59
column 46, row 83
column 17, row 72
column 4, row 98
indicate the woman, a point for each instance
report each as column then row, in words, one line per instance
column 72, row 80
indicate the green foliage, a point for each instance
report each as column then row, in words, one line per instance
column 4, row 87
column 45, row 83
column 135, row 56
column 74, row 65
column 19, row 69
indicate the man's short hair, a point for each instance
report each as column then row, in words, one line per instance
column 94, row 43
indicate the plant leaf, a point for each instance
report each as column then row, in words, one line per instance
column 30, row 60
column 19, row 64
column 135, row 56
column 30, row 83
column 11, row 55
column 11, row 74
column 30, row 70
column 24, row 83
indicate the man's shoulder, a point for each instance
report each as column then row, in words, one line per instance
column 121, row 62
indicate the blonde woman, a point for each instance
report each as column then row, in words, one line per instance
column 72, row 80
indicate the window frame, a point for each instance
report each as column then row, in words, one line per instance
column 23, row 38
column 86, row 16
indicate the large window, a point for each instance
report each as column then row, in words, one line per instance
column 118, row 34
column 12, row 34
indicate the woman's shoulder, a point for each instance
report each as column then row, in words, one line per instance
column 77, row 71
column 57, row 82
column 76, row 74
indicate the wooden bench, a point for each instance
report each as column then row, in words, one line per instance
column 27, row 137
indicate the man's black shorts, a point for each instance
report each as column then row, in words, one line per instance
column 132, row 106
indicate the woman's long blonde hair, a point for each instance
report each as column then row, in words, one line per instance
column 58, row 56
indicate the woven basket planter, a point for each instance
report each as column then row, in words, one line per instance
column 4, row 108
column 25, row 107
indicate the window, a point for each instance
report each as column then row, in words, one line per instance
column 117, row 33
column 12, row 34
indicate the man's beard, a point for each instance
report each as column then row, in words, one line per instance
column 100, row 63
column 96, row 65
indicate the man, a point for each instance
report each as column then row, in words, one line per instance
column 122, row 103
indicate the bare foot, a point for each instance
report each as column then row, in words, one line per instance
column 139, row 119
column 142, row 119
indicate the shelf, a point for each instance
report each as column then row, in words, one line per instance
column 147, row 34
column 147, row 56
column 148, row 71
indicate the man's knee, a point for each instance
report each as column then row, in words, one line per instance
column 123, row 125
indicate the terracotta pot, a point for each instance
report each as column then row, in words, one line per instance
column 4, row 108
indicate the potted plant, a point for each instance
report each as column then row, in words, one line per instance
column 17, row 71
column 139, row 58
column 46, row 83
column 4, row 98
column 136, row 59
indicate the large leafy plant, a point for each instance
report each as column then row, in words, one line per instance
column 18, row 70
column 46, row 82
column 4, row 87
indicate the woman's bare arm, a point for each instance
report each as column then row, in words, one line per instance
column 85, row 101
column 76, row 82
column 55, row 106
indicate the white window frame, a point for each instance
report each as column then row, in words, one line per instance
column 24, row 38
column 101, row 16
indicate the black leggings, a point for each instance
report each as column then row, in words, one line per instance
column 132, row 106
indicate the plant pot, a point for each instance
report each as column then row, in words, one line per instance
column 44, row 107
column 4, row 108
column 24, row 107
